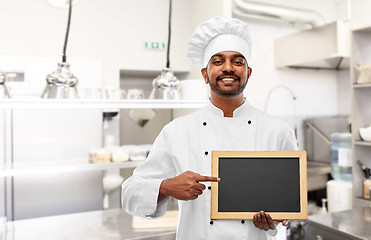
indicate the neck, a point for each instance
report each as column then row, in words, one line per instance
column 227, row 104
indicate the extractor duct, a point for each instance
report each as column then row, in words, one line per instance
column 251, row 9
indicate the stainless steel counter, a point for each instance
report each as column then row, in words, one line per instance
column 108, row 224
column 349, row 224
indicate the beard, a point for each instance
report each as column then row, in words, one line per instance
column 216, row 89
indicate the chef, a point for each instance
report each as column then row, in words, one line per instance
column 179, row 163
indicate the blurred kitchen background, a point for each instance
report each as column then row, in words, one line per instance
column 311, row 62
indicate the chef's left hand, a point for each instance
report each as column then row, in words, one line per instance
column 264, row 221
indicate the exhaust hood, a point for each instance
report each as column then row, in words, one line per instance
column 323, row 47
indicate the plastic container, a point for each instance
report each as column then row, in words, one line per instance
column 341, row 164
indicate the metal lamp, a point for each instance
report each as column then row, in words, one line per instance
column 4, row 93
column 166, row 85
column 62, row 83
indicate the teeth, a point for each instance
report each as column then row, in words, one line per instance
column 228, row 79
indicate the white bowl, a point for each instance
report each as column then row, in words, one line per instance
column 365, row 133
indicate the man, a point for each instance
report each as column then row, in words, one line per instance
column 179, row 164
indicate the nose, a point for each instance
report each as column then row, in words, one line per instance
column 227, row 66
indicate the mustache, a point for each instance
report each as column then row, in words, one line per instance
column 232, row 75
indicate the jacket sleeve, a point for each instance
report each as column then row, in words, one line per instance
column 278, row 233
column 140, row 191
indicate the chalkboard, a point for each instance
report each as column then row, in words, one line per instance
column 251, row 181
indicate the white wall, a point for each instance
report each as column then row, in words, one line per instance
column 360, row 11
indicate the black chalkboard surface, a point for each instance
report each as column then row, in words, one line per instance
column 273, row 181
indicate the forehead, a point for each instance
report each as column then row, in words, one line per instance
column 228, row 54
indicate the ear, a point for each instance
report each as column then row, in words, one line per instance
column 249, row 71
column 204, row 75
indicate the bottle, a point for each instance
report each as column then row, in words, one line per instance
column 323, row 209
column 341, row 164
column 367, row 185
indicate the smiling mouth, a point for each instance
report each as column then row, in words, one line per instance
column 228, row 80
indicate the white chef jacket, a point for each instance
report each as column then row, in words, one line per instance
column 186, row 144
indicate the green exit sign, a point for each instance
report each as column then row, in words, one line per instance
column 155, row 45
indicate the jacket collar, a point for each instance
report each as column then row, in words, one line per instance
column 244, row 111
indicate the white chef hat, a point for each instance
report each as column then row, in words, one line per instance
column 218, row 34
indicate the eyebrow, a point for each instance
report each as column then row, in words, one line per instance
column 238, row 55
column 217, row 55
column 221, row 55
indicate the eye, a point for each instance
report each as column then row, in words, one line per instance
column 239, row 63
column 217, row 62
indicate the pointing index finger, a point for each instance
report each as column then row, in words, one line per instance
column 207, row 179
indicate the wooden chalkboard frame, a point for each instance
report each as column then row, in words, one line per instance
column 276, row 155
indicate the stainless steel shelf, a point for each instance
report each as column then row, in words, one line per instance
column 99, row 104
column 366, row 85
column 360, row 201
column 72, row 165
column 362, row 143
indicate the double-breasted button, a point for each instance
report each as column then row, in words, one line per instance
column 206, row 153
column 209, row 187
column 204, row 123
column 211, row 222
column 249, row 122
column 242, row 221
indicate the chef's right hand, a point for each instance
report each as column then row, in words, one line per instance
column 185, row 186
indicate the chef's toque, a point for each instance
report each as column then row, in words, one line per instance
column 218, row 34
